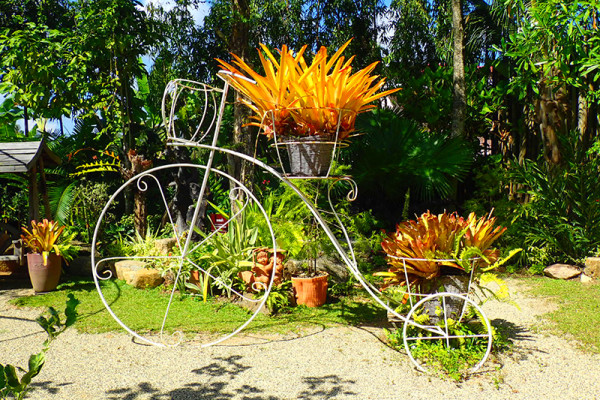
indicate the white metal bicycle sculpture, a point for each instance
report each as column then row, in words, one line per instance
column 204, row 139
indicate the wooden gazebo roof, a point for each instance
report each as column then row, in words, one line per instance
column 29, row 158
column 23, row 156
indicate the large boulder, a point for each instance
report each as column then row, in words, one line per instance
column 137, row 274
column 145, row 278
column 592, row 267
column 562, row 271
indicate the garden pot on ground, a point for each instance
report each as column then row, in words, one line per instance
column 44, row 278
column 310, row 155
column 311, row 292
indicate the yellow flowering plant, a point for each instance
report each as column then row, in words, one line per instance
column 43, row 237
column 295, row 98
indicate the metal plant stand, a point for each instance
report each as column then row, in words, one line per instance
column 204, row 141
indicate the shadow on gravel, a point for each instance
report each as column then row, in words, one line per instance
column 217, row 381
column 47, row 386
column 218, row 385
column 513, row 332
column 325, row 387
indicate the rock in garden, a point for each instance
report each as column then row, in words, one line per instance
column 562, row 271
column 165, row 246
column 592, row 267
column 137, row 274
column 145, row 278
column 585, row 279
column 128, row 265
column 337, row 270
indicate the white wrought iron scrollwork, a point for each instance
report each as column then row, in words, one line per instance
column 208, row 127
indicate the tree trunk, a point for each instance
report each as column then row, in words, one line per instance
column 583, row 109
column 460, row 102
column 242, row 137
column 549, row 113
column 140, row 208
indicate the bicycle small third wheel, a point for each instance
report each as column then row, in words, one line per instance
column 446, row 326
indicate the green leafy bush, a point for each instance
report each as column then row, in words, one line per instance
column 396, row 155
column 561, row 220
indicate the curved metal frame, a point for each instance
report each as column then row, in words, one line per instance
column 181, row 259
column 174, row 89
column 442, row 332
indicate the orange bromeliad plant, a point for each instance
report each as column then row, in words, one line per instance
column 294, row 98
column 433, row 237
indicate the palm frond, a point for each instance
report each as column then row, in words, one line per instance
column 61, row 196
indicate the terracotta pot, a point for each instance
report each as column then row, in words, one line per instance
column 195, row 277
column 311, row 292
column 44, row 278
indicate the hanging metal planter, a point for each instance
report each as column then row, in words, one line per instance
column 309, row 155
column 304, row 150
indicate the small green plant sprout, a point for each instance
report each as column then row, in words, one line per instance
column 10, row 383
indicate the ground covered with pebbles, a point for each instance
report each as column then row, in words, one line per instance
column 335, row 363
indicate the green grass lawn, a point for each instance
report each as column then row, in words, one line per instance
column 578, row 312
column 143, row 311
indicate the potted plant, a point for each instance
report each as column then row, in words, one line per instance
column 44, row 262
column 307, row 107
column 441, row 253
column 309, row 284
column 310, row 287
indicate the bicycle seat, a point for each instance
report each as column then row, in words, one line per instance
column 201, row 107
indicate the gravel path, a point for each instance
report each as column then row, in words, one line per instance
column 335, row 363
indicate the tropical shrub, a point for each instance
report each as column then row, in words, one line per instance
column 230, row 252
column 429, row 164
column 562, row 214
column 14, row 199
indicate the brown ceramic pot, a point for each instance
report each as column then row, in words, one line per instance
column 44, row 278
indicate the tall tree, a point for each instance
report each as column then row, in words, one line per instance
column 459, row 109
